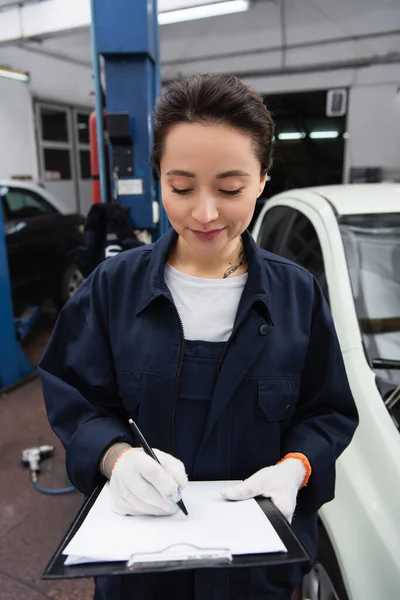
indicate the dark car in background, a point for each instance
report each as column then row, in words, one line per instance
column 41, row 241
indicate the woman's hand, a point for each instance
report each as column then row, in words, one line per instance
column 140, row 486
column 280, row 483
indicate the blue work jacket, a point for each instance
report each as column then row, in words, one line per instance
column 117, row 351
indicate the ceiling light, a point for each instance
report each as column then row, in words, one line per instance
column 14, row 74
column 324, row 135
column 291, row 135
column 213, row 9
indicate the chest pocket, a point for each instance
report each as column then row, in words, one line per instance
column 278, row 396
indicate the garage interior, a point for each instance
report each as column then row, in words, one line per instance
column 330, row 75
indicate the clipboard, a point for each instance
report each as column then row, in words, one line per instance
column 200, row 558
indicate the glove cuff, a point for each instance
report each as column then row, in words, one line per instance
column 305, row 462
column 111, row 456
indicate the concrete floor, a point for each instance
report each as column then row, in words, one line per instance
column 32, row 524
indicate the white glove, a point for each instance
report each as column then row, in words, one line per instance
column 140, row 486
column 280, row 483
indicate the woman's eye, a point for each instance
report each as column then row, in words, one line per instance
column 231, row 192
column 181, row 192
column 186, row 191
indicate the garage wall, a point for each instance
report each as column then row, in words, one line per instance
column 374, row 122
column 17, row 139
column 351, row 43
column 346, row 43
column 51, row 78
column 373, row 112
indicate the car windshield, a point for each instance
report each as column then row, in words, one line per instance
column 372, row 247
column 20, row 203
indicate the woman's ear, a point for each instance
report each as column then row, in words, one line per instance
column 263, row 181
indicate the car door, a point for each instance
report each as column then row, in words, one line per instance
column 32, row 235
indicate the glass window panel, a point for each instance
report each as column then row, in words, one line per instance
column 303, row 247
column 57, row 164
column 84, row 159
column 372, row 247
column 273, row 228
column 83, row 128
column 54, row 125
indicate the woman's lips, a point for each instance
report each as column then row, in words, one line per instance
column 207, row 235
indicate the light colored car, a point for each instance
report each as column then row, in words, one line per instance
column 348, row 236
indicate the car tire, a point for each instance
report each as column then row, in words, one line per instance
column 71, row 279
column 324, row 581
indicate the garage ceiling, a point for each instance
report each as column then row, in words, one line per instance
column 274, row 35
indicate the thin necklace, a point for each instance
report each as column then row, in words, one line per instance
column 241, row 259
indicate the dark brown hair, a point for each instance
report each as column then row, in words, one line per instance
column 214, row 98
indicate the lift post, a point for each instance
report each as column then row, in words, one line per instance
column 125, row 34
column 13, row 363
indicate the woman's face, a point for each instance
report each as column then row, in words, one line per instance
column 210, row 181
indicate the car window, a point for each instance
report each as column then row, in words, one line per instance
column 289, row 233
column 302, row 246
column 372, row 246
column 24, row 204
column 273, row 228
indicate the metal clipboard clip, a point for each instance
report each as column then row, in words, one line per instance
column 179, row 556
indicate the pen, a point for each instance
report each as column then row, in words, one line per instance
column 142, row 441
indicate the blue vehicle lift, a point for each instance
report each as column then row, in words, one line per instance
column 13, row 363
column 125, row 34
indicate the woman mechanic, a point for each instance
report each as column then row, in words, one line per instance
column 226, row 355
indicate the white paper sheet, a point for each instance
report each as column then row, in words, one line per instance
column 213, row 522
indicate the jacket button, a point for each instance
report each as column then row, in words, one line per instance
column 264, row 329
column 287, row 408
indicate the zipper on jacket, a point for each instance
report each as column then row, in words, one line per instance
column 177, row 377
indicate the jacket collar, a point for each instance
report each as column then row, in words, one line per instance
column 154, row 286
column 255, row 292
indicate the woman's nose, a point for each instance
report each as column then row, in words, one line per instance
column 205, row 210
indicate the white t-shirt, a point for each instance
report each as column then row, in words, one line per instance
column 207, row 307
